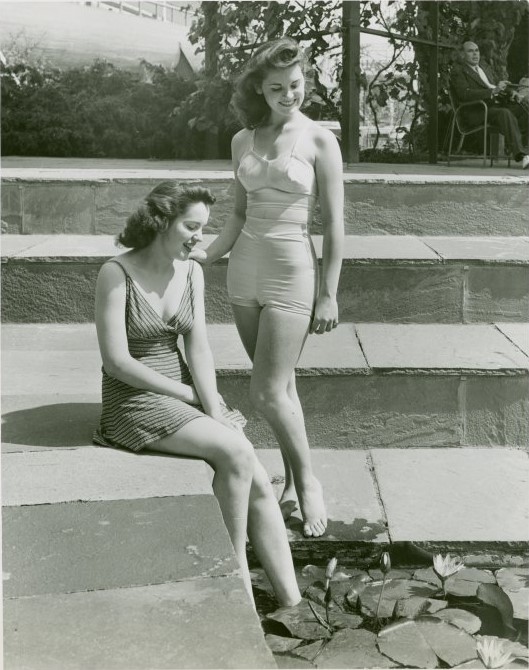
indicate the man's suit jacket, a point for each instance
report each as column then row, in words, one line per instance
column 467, row 85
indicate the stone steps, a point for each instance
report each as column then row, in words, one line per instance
column 118, row 560
column 406, row 279
column 363, row 385
column 95, row 197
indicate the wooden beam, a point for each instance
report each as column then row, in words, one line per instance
column 351, row 82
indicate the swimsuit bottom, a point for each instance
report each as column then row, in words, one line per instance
column 273, row 264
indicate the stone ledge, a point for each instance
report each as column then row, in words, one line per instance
column 194, row 172
column 358, row 249
column 349, row 349
column 205, row 623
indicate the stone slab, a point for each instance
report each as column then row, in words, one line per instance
column 49, row 336
column 13, row 245
column 382, row 248
column 454, row 494
column 33, row 422
column 12, row 211
column 498, row 293
column 518, row 333
column 354, row 510
column 495, row 410
column 164, row 626
column 53, row 372
column 77, row 247
column 501, row 249
column 96, row 473
column 413, row 293
column 85, row 546
column 58, row 208
column 469, row 347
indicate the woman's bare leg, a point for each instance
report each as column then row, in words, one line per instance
column 276, row 338
column 232, row 458
column 247, row 320
column 267, row 534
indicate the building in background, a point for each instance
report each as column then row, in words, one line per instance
column 124, row 33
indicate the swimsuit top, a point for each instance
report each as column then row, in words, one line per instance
column 288, row 172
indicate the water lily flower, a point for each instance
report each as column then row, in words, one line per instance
column 331, row 567
column 493, row 652
column 446, row 566
column 385, row 563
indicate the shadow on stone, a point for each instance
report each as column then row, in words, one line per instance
column 60, row 425
column 360, row 530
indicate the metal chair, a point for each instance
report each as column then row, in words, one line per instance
column 484, row 127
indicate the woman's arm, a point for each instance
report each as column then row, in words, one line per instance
column 112, row 336
column 233, row 226
column 198, row 352
column 329, row 176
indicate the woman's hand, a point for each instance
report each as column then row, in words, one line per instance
column 325, row 315
column 198, row 255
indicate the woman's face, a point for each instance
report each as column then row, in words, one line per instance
column 185, row 231
column 284, row 90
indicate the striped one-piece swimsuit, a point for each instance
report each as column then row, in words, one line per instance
column 134, row 418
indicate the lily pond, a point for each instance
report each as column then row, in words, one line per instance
column 444, row 616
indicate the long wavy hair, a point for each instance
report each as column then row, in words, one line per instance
column 161, row 207
column 250, row 106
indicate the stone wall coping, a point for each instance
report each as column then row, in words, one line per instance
column 97, row 176
column 358, row 249
column 364, row 349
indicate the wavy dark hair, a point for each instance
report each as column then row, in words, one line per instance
column 161, row 207
column 250, row 106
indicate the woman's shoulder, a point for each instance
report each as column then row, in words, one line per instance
column 241, row 139
column 321, row 136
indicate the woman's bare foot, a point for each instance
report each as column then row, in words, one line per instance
column 313, row 510
column 288, row 503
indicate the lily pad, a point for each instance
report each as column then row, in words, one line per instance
column 404, row 643
column 460, row 618
column 353, row 649
column 292, row 662
column 300, row 621
column 520, row 603
column 462, row 588
column 493, row 595
column 394, row 589
column 344, row 620
column 358, row 584
column 411, row 608
column 475, row 663
column 278, row 643
column 513, row 579
column 392, row 574
column 451, row 644
column 476, row 575
column 427, row 575
column 308, row 651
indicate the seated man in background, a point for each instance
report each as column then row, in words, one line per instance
column 471, row 81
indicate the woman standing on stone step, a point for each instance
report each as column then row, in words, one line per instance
column 153, row 400
column 282, row 162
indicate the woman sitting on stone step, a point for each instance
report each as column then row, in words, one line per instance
column 152, row 400
column 283, row 163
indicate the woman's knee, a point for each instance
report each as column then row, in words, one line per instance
column 266, row 398
column 237, row 456
column 261, row 485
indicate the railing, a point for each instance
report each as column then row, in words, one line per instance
column 170, row 12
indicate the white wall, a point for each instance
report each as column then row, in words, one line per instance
column 69, row 33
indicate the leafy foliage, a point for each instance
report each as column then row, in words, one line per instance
column 95, row 111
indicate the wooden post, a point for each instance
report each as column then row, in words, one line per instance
column 212, row 46
column 350, row 121
column 433, row 77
